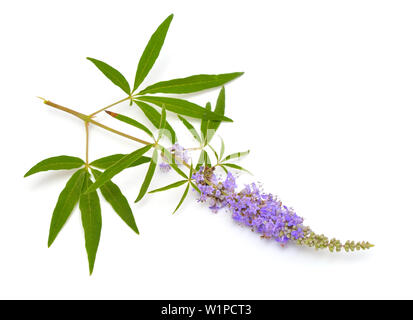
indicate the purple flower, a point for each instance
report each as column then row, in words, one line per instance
column 251, row 207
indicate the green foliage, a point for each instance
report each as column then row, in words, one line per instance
column 65, row 204
column 81, row 189
column 56, row 163
column 204, row 125
column 151, row 52
column 191, row 84
column 162, row 123
column 234, row 166
column 89, row 206
column 155, row 118
column 220, row 110
column 117, row 167
column 112, row 74
column 182, row 198
column 172, row 161
column 183, row 107
column 235, row 155
column 170, row 186
column 191, row 129
column 149, row 175
column 117, row 200
column 130, row 121
column 106, row 162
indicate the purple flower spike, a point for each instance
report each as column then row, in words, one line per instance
column 262, row 212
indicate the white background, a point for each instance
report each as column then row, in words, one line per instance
column 325, row 106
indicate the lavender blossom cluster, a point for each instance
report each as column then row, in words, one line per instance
column 263, row 212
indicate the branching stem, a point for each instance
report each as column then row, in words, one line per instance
column 88, row 119
column 109, row 106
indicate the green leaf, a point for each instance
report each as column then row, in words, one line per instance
column 219, row 109
column 203, row 159
column 117, row 167
column 117, row 200
column 149, row 175
column 151, row 52
column 195, row 187
column 183, row 107
column 213, row 150
column 106, row 162
column 67, row 200
column 162, row 123
column 170, row 186
column 155, row 118
column 191, row 128
column 221, row 153
column 191, row 170
column 130, row 121
column 91, row 220
column 204, row 126
column 182, row 199
column 234, row 166
column 235, row 155
column 171, row 161
column 191, row 84
column 56, row 163
column 112, row 74
column 225, row 169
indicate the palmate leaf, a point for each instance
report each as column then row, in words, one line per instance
column 170, row 186
column 130, row 121
column 65, row 204
column 91, row 220
column 117, row 167
column 149, row 175
column 56, row 163
column 191, row 84
column 106, row 162
column 155, row 118
column 117, row 200
column 191, row 128
column 183, row 107
column 112, row 74
column 151, row 52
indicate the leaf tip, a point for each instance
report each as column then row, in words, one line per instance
column 112, row 114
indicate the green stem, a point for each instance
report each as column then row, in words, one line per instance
column 87, row 144
column 111, row 105
column 88, row 119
